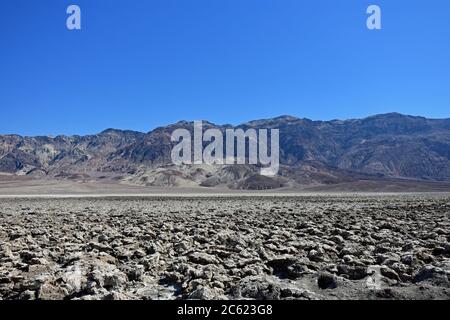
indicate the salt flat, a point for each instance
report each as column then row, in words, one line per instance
column 319, row 246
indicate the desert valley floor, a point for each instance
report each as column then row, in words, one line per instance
column 337, row 246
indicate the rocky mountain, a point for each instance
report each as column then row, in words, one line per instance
column 388, row 146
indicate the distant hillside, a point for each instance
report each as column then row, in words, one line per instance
column 312, row 153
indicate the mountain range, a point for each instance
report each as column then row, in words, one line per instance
column 387, row 147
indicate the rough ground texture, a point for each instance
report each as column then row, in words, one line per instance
column 307, row 247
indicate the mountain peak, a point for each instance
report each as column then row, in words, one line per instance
column 387, row 145
column 110, row 131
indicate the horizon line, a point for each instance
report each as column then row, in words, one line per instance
column 223, row 124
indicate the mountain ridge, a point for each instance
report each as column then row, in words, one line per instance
column 384, row 146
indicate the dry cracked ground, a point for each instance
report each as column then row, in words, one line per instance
column 281, row 247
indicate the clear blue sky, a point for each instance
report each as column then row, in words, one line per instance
column 139, row 64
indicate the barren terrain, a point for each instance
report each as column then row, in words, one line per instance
column 394, row 246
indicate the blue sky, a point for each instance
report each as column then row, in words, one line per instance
column 144, row 63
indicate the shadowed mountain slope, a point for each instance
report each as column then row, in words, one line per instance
column 388, row 146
